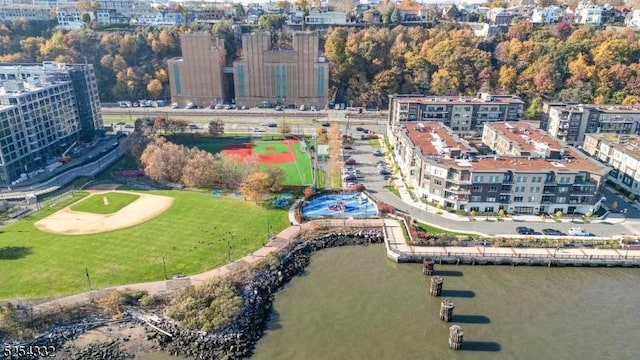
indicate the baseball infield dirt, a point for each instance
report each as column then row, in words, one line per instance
column 69, row 222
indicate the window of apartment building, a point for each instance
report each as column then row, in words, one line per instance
column 491, row 199
column 536, row 179
column 476, row 188
column 532, row 198
column 519, row 189
column 437, row 182
column 476, row 198
column 563, row 189
column 517, row 199
column 493, row 188
column 504, row 198
column 534, row 189
column 494, row 179
column 561, row 199
column 521, row 179
column 478, row 178
column 565, row 179
column 489, row 209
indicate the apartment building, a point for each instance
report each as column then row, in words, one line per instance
column 464, row 115
column 29, row 12
column 267, row 74
column 571, row 122
column 622, row 153
column 530, row 172
column 197, row 76
column 44, row 109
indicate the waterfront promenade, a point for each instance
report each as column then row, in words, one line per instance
column 398, row 250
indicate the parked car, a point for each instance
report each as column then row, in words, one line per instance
column 264, row 123
column 378, row 152
column 278, row 108
column 348, row 147
column 272, row 125
column 384, row 172
column 350, row 162
column 258, row 129
column 579, row 232
column 191, row 106
column 326, row 124
column 553, row 232
column 523, row 230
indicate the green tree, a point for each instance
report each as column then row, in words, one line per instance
column 533, row 110
column 271, row 22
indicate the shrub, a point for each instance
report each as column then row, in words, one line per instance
column 206, row 307
column 385, row 208
column 308, row 192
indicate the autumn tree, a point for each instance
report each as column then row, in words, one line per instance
column 216, row 127
column 255, row 185
column 136, row 143
column 154, row 87
column 199, row 170
column 275, row 179
column 164, row 160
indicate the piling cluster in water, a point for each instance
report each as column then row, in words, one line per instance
column 446, row 306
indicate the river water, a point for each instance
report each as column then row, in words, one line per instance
column 353, row 303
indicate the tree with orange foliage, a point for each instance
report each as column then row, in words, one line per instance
column 255, row 186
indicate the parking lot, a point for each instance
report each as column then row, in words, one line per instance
column 368, row 172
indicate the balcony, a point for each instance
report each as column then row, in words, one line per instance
column 464, row 180
column 458, row 190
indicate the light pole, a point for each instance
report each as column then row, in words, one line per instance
column 164, row 265
column 228, row 236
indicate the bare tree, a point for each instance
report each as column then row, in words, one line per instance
column 199, row 170
column 136, row 142
column 164, row 160
column 231, row 173
column 216, row 127
column 276, row 178
column 284, row 128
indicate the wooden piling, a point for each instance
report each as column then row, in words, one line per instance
column 446, row 310
column 456, row 335
column 435, row 288
column 427, row 266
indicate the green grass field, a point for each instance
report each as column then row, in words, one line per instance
column 297, row 173
column 95, row 203
column 191, row 235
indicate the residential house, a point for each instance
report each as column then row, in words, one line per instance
column 588, row 13
column 413, row 14
column 319, row 17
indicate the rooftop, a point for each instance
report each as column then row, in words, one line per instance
column 458, row 100
column 433, row 138
column 526, row 137
column 629, row 144
column 436, row 142
column 603, row 108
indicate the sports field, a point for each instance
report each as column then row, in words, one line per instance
column 191, row 235
column 108, row 203
column 286, row 154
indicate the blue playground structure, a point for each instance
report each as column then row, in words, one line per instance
column 344, row 205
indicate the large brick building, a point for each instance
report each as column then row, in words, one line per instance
column 268, row 75
column 197, row 76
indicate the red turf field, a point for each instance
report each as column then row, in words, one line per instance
column 243, row 151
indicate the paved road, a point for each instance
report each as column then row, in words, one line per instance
column 363, row 154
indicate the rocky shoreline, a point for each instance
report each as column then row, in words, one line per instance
column 235, row 340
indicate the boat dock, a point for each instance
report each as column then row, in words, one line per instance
column 399, row 251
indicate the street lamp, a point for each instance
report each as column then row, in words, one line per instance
column 228, row 237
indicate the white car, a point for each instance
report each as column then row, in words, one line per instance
column 579, row 232
column 264, row 123
column 258, row 130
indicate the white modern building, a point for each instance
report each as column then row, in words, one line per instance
column 44, row 109
column 622, row 153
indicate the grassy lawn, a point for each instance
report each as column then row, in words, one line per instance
column 394, row 190
column 191, row 235
column 210, row 144
column 96, row 204
column 436, row 230
column 375, row 143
